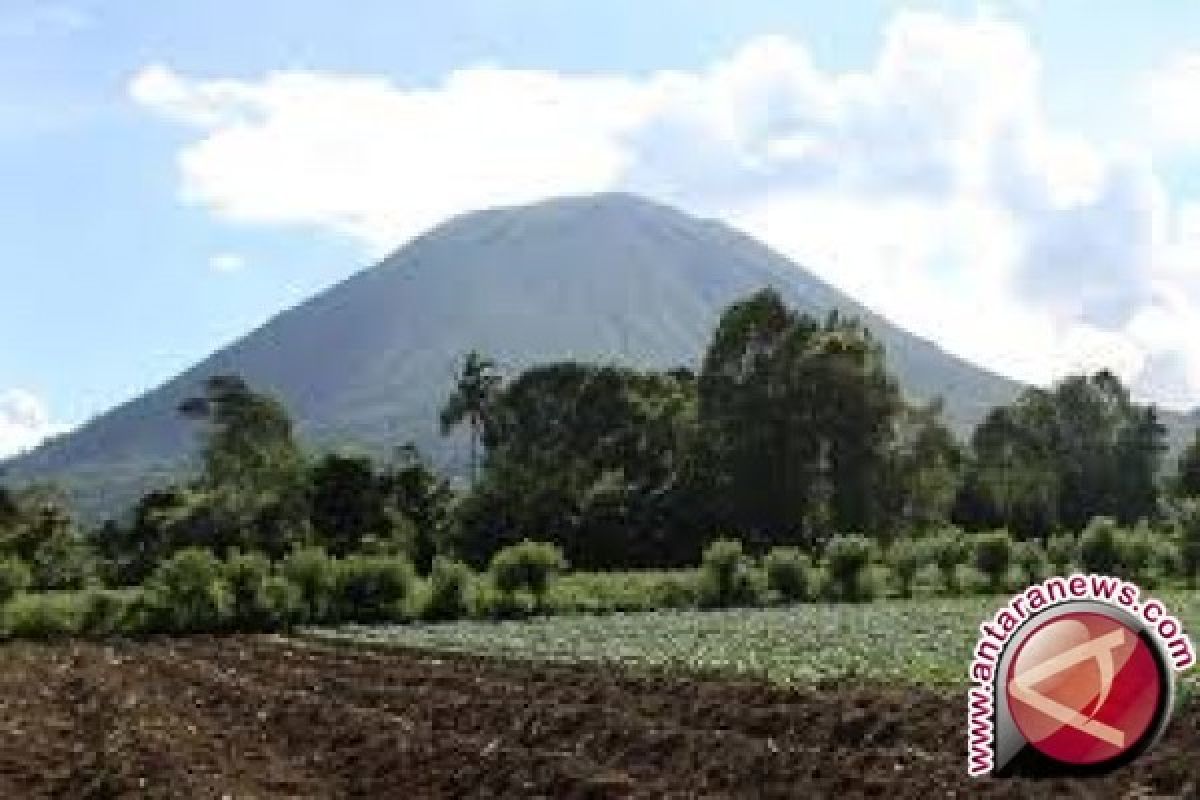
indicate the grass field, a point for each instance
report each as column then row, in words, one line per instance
column 925, row 641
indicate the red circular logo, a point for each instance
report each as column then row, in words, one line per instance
column 1084, row 688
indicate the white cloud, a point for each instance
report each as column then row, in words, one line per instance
column 24, row 422
column 929, row 184
column 1173, row 101
column 227, row 262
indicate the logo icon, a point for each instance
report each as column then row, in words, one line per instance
column 1084, row 688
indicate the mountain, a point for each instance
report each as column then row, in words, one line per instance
column 369, row 362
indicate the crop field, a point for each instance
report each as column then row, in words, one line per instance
column 268, row 717
column 920, row 642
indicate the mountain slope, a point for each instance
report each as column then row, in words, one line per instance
column 369, row 361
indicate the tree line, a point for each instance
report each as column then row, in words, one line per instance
column 791, row 432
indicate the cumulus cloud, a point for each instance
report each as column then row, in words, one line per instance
column 928, row 184
column 24, row 422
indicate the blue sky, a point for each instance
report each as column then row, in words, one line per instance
column 174, row 173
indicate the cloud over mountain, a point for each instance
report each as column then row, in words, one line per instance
column 928, row 183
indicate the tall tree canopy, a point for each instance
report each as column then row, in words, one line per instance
column 796, row 417
column 1060, row 457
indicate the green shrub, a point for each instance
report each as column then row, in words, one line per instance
column 993, row 556
column 1062, row 550
column 14, row 577
column 314, row 574
column 1031, row 562
column 905, row 557
column 1100, row 546
column 727, row 576
column 949, row 551
column 1135, row 550
column 492, row 603
column 528, row 566
column 1187, row 523
column 449, row 590
column 278, row 603
column 188, row 592
column 373, row 588
column 103, row 612
column 788, row 572
column 245, row 574
column 847, row 556
column 39, row 616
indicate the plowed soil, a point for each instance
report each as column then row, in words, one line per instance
column 261, row 717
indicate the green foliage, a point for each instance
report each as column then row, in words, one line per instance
column 449, row 593
column 1135, row 553
column 1062, row 550
column 529, row 566
column 848, row 556
column 188, row 592
column 788, row 572
column 14, row 577
column 1030, row 560
column 104, row 612
column 373, row 588
column 635, row 590
column 993, row 556
column 728, row 577
column 949, row 550
column 1100, row 546
column 1186, row 516
column 314, row 574
column 905, row 557
column 778, row 392
column 39, row 616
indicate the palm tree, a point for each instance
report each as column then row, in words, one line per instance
column 476, row 390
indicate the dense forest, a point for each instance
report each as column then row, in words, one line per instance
column 791, row 435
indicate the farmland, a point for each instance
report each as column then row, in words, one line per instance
column 921, row 642
column 267, row 717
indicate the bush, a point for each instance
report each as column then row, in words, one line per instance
column 529, row 566
column 39, row 616
column 373, row 588
column 848, row 556
column 788, row 572
column 949, row 551
column 1062, row 549
column 906, row 559
column 245, row 573
column 727, row 576
column 1136, row 553
column 993, row 555
column 449, row 590
column 103, row 612
column 314, row 575
column 14, row 578
column 1030, row 561
column 278, row 603
column 1100, row 546
column 492, row 603
column 1187, row 523
column 188, row 592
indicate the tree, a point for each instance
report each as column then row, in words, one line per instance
column 795, row 418
column 1061, row 457
column 593, row 459
column 926, row 463
column 474, row 395
column 1187, row 471
column 252, row 491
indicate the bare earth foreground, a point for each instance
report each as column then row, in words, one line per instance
column 264, row 717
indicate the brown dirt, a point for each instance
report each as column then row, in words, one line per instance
column 260, row 717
